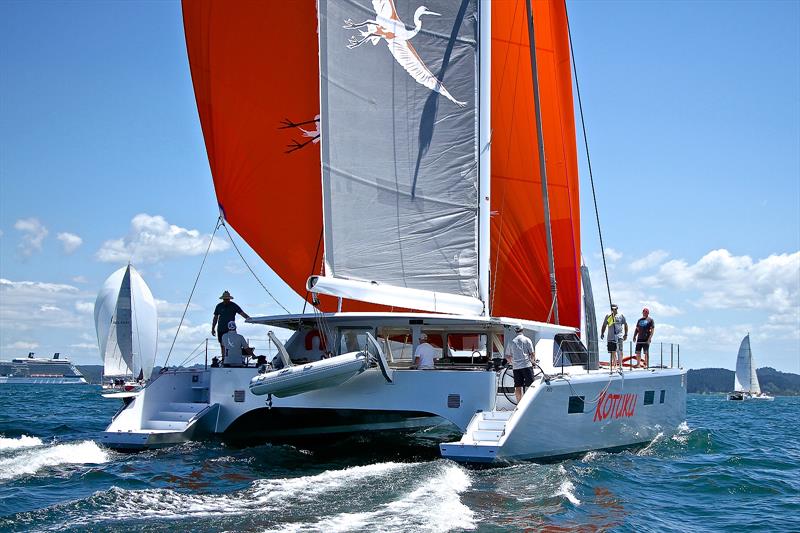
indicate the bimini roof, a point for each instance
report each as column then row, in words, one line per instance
column 476, row 323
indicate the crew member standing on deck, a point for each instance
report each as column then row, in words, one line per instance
column 225, row 313
column 643, row 335
column 617, row 332
column 520, row 353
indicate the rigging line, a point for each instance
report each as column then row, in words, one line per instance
column 316, row 254
column 211, row 240
column 192, row 354
column 222, row 223
column 586, row 146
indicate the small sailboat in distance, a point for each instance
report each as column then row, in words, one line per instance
column 126, row 322
column 746, row 386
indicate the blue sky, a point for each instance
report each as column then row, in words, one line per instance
column 693, row 115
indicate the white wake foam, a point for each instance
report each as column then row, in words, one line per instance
column 310, row 487
column 435, row 505
column 263, row 496
column 682, row 434
column 23, row 442
column 566, row 490
column 30, row 461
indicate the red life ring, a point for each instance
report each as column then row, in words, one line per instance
column 626, row 361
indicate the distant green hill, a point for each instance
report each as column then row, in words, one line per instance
column 708, row 380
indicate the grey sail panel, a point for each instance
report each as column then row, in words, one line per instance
column 399, row 125
column 123, row 324
column 590, row 327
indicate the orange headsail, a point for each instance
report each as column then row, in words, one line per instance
column 519, row 272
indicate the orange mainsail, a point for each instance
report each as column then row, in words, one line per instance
column 520, row 280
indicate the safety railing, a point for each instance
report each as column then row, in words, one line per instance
column 660, row 355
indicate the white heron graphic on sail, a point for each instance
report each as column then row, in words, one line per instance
column 388, row 26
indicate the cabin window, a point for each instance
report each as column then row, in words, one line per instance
column 575, row 404
column 663, row 393
column 649, row 396
column 569, row 350
column 396, row 343
column 352, row 339
column 465, row 347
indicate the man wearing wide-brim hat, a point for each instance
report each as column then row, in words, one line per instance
column 224, row 313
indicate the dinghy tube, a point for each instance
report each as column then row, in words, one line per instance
column 320, row 374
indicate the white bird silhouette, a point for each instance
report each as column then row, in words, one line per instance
column 388, row 26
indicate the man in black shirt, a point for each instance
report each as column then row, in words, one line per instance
column 645, row 327
column 225, row 312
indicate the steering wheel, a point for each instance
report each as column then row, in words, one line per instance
column 537, row 371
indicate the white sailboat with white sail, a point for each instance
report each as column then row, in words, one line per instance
column 746, row 385
column 447, row 210
column 126, row 323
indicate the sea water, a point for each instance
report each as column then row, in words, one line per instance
column 733, row 466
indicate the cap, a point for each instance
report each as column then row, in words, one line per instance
column 614, row 306
column 518, row 328
column 226, row 296
column 232, row 326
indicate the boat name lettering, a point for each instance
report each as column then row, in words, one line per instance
column 615, row 406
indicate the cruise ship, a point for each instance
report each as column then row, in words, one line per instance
column 35, row 370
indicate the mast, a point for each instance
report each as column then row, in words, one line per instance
column 484, row 152
column 542, row 166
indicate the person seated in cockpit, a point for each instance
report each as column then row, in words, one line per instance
column 235, row 346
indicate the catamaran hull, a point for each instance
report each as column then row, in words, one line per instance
column 562, row 418
column 368, row 404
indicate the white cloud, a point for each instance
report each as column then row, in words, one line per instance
column 726, row 281
column 84, row 346
column 32, row 305
column 84, row 307
column 152, row 239
column 33, row 233
column 651, row 260
column 69, row 241
column 165, row 308
column 22, row 345
column 613, row 255
column 80, row 279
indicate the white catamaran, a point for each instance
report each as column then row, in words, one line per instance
column 746, row 386
column 444, row 137
column 126, row 322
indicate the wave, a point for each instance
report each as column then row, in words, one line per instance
column 30, row 461
column 23, row 442
column 434, row 505
column 566, row 490
column 118, row 504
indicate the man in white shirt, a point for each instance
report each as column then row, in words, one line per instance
column 519, row 352
column 234, row 346
column 425, row 353
column 617, row 333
